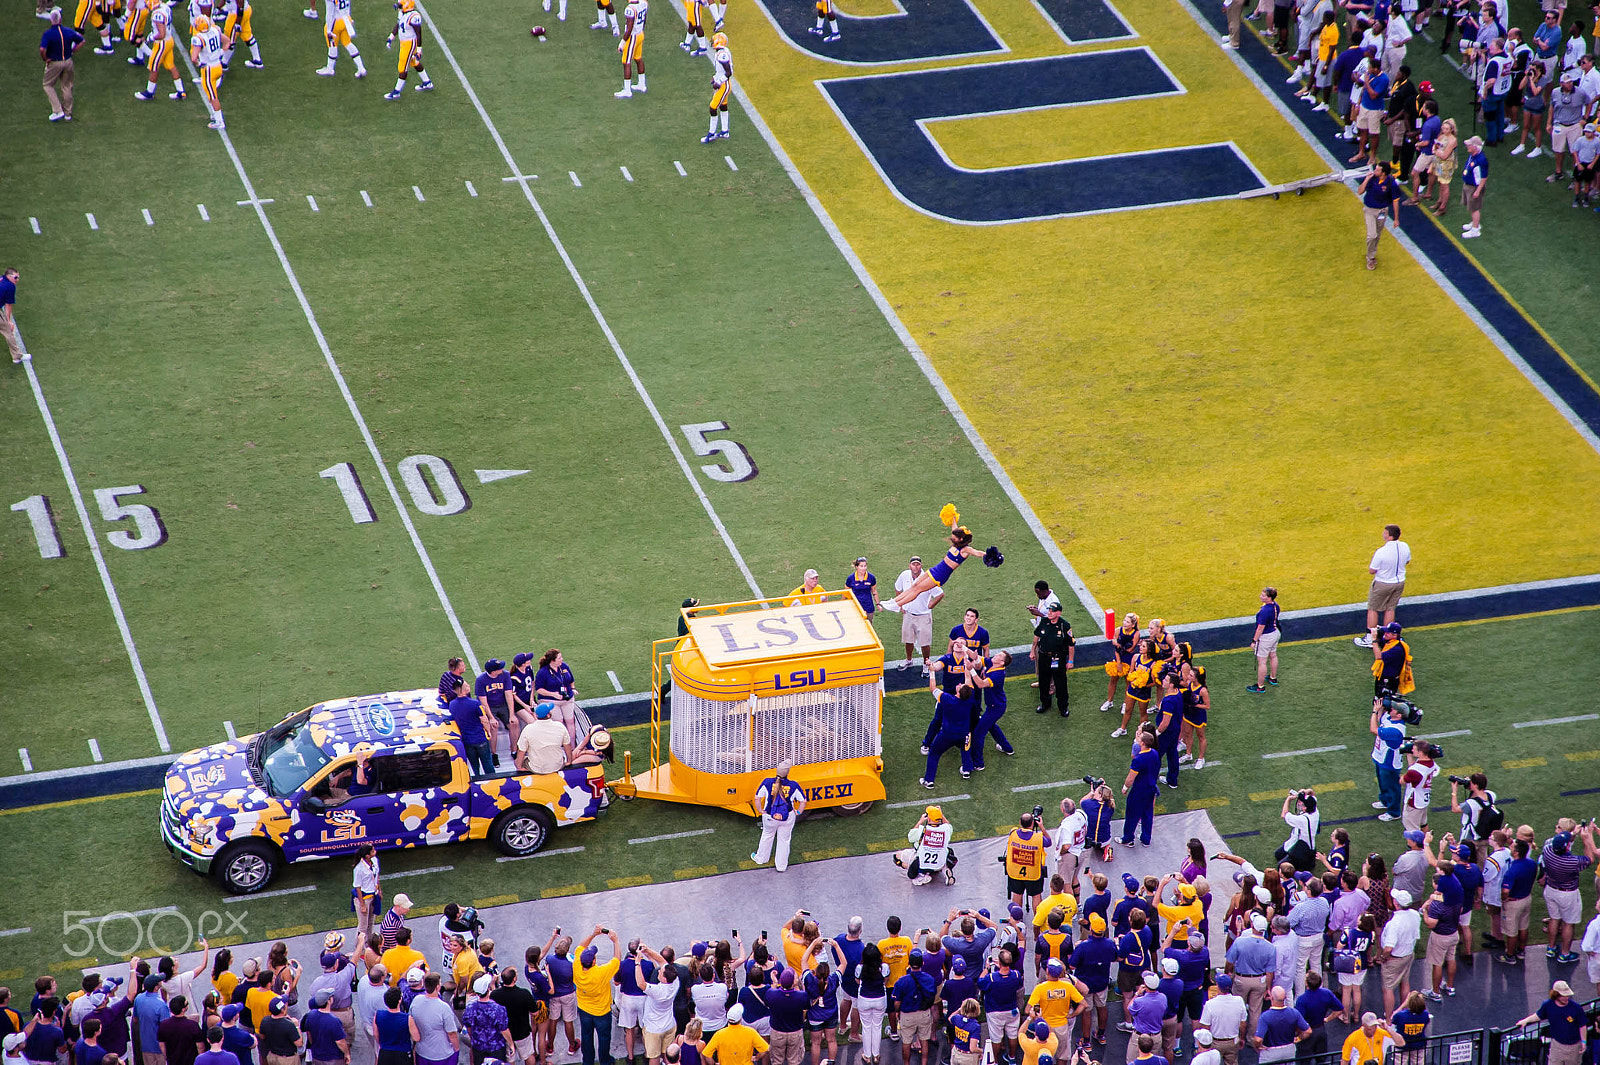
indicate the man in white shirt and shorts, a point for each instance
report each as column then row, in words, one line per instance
column 916, row 617
column 1388, row 569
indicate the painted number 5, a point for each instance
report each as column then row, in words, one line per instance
column 148, row 531
column 735, row 465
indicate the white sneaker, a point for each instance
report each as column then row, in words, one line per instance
column 625, row 94
column 1105, row 706
column 1229, row 45
column 308, row 13
column 1182, row 758
column 1362, row 641
column 1536, row 153
column 326, row 72
column 1518, row 150
column 1200, row 763
column 1120, row 732
column 361, row 72
column 922, row 878
column 1511, row 128
column 1469, row 234
column 890, row 605
column 1293, row 77
column 1320, row 107
column 1379, row 806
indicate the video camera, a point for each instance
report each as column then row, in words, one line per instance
column 1432, row 750
column 1410, row 712
column 1094, row 782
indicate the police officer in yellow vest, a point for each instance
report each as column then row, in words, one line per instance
column 1024, row 858
column 780, row 800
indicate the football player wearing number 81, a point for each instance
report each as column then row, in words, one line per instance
column 408, row 28
column 205, row 50
column 721, row 86
column 631, row 47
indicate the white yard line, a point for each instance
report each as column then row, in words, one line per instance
column 94, row 751
column 204, row 217
column 1044, row 787
column 419, row 872
column 927, row 802
column 1308, row 750
column 227, row 726
column 365, row 198
column 420, row 198
column 870, row 286
column 626, row 176
column 27, row 763
column 229, row 899
column 147, row 219
column 99, row 563
column 14, row 932
column 541, row 854
column 670, row 835
column 344, row 390
column 1556, row 721
column 117, row 915
column 471, row 191
column 573, row 174
column 92, row 223
column 594, row 308
column 311, row 201
column 34, row 222
column 679, row 166
column 1445, row 735
column 615, row 683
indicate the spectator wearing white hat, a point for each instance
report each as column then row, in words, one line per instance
column 781, row 802
column 487, row 1026
column 736, row 1043
column 1251, row 961
column 13, row 1049
column 1397, row 947
column 809, row 593
column 1564, row 1023
column 1206, row 1052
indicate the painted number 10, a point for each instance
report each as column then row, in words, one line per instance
column 148, row 529
column 439, row 493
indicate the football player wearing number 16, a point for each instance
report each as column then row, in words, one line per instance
column 408, row 28
column 631, row 47
column 721, row 86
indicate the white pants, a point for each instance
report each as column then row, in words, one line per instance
column 871, row 1011
column 1308, row 956
column 773, row 829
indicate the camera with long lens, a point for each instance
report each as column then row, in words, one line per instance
column 1094, row 782
column 1463, row 781
column 1433, row 750
column 1410, row 712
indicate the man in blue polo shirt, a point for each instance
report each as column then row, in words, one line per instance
column 1516, row 900
column 474, row 722
column 1091, row 963
column 1279, row 1028
column 55, row 48
column 850, row 946
column 1141, row 789
column 1343, row 75
column 1373, row 101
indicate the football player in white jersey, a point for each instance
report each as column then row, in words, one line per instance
column 236, row 28
column 339, row 28
column 694, row 39
column 721, row 86
column 408, row 30
column 605, row 15
column 135, row 27
column 719, row 10
column 632, row 47
column 205, row 51
column 161, row 45
column 930, row 852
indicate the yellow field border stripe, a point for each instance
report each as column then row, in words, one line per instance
column 1417, row 628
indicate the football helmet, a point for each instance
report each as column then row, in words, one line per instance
column 719, row 40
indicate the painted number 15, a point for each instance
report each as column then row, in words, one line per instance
column 148, row 529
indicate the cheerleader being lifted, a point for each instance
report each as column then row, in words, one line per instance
column 960, row 550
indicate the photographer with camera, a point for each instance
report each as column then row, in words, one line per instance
column 1300, row 814
column 1024, row 857
column 1391, row 664
column 930, row 850
column 1388, row 725
column 1480, row 812
column 1416, row 784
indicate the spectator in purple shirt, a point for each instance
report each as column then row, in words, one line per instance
column 214, row 1054
column 1279, row 1028
column 113, row 1014
column 1148, row 1009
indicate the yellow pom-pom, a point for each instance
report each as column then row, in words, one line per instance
column 949, row 515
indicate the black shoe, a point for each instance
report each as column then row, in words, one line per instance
column 1066, row 713
column 1272, row 681
column 1041, row 710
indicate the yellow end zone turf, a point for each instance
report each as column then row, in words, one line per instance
column 1199, row 400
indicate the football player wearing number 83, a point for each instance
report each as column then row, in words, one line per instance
column 960, row 550
column 408, row 28
column 721, row 86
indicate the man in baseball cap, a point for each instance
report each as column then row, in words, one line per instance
column 737, row 1043
column 1397, row 946
column 809, row 593
column 781, row 802
column 1565, row 1022
column 1091, row 965
column 1059, row 1001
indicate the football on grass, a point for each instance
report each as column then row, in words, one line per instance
column 538, row 34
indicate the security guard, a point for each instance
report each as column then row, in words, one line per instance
column 1024, row 859
column 1052, row 650
column 781, row 801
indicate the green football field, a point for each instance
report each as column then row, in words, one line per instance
column 179, row 357
column 1541, row 771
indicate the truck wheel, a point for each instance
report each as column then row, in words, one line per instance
column 852, row 809
column 247, row 867
column 523, row 830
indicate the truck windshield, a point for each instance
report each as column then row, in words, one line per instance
column 290, row 759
